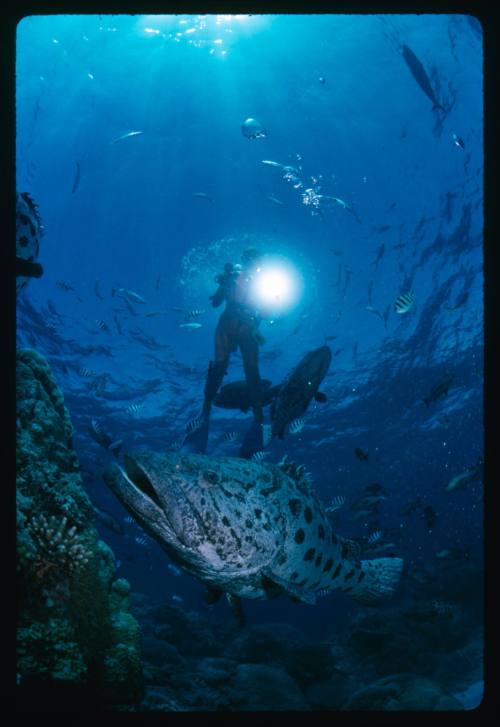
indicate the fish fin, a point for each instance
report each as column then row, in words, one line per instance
column 28, row 269
column 237, row 608
column 351, row 550
column 212, row 595
column 380, row 579
column 320, row 397
column 253, row 441
column 196, row 442
column 271, row 582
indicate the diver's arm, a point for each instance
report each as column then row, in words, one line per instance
column 218, row 297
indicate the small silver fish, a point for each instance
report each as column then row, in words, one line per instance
column 272, row 164
column 335, row 504
column 296, row 426
column 134, row 409
column 173, row 569
column 404, row 302
column 86, row 372
column 230, row 436
column 190, row 326
column 202, row 195
column 177, row 599
column 126, row 136
column 275, row 200
column 129, row 295
column 458, row 141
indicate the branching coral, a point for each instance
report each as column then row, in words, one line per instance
column 57, row 546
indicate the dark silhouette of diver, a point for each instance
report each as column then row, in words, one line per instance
column 237, row 326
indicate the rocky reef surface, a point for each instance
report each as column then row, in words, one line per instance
column 193, row 662
column 77, row 643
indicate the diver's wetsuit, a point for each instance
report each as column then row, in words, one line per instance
column 237, row 326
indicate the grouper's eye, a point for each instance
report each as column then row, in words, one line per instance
column 211, row 477
column 140, row 479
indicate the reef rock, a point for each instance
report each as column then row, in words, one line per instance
column 403, row 692
column 262, row 688
column 76, row 639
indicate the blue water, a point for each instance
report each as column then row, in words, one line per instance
column 121, row 211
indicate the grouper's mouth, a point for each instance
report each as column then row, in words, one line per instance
column 140, row 480
column 158, row 503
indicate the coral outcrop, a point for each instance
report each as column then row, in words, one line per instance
column 76, row 639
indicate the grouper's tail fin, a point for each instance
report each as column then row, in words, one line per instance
column 381, row 576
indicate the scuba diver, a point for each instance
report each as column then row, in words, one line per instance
column 237, row 326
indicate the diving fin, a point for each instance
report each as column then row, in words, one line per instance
column 28, row 269
column 253, row 441
column 237, row 608
column 196, row 440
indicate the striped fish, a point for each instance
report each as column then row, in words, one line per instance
column 102, row 325
column 374, row 537
column 86, row 372
column 194, row 424
column 96, row 428
column 404, row 302
column 191, row 314
column 230, row 436
column 258, row 456
column 134, row 409
column 267, row 434
column 129, row 520
column 296, row 426
column 175, row 446
column 64, row 285
column 335, row 504
column 141, row 541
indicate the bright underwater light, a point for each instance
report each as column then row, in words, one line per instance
column 276, row 285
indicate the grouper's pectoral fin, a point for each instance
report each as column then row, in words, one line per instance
column 274, row 585
column 237, row 608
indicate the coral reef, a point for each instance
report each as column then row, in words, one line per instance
column 77, row 642
column 275, row 666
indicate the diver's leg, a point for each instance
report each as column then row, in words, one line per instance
column 250, row 353
column 253, row 441
column 196, row 438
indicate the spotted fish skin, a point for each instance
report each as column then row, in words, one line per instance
column 299, row 388
column 253, row 530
